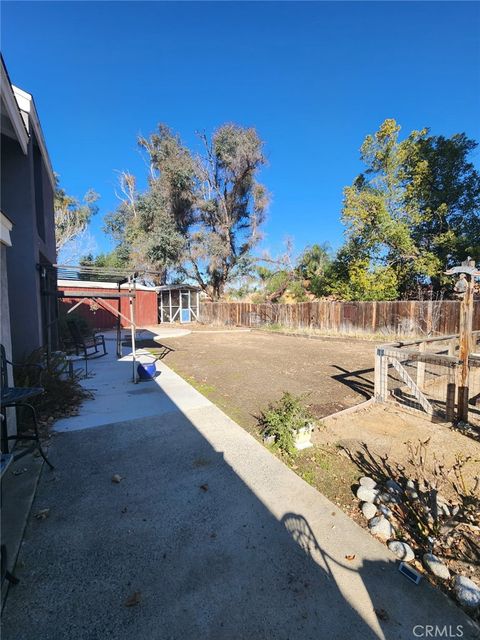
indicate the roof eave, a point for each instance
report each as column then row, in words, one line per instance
column 26, row 103
column 13, row 109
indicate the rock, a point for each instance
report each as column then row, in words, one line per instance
column 393, row 487
column 385, row 511
column 386, row 498
column 381, row 527
column 116, row 478
column 467, row 592
column 411, row 493
column 443, row 506
column 436, row 566
column 369, row 510
column 369, row 483
column 443, row 509
column 410, row 484
column 366, row 495
column 402, row 550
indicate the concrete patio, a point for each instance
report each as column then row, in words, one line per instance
column 207, row 535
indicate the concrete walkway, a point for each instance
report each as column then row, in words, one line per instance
column 208, row 534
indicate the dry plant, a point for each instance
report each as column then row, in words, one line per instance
column 436, row 507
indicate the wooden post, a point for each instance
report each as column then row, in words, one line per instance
column 381, row 373
column 451, row 392
column 451, row 346
column 421, row 367
column 466, row 324
column 464, row 290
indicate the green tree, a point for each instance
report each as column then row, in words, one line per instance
column 411, row 213
column 115, row 259
column 443, row 188
column 313, row 266
column 200, row 215
column 150, row 227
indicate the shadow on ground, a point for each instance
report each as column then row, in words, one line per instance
column 192, row 548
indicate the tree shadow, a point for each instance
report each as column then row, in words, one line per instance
column 419, row 513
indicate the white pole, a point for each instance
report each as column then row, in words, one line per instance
column 170, row 303
column 198, row 306
column 132, row 329
column 189, row 306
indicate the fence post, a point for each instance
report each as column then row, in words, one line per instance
column 422, row 347
column 451, row 346
column 451, row 392
column 381, row 372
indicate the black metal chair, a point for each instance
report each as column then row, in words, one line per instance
column 83, row 343
column 16, row 397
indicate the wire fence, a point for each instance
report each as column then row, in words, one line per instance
column 423, row 375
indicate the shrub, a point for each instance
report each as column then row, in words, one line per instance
column 283, row 419
column 62, row 392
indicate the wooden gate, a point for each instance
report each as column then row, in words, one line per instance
column 423, row 375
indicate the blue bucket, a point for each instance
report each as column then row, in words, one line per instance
column 146, row 371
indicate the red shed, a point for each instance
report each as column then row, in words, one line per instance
column 146, row 304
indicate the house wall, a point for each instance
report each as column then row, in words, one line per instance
column 5, row 334
column 17, row 201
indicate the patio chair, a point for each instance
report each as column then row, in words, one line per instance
column 16, row 397
column 83, row 344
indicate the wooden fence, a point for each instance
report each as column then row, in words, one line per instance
column 411, row 317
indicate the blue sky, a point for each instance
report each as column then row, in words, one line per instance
column 314, row 78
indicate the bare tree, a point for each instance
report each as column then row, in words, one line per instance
column 71, row 215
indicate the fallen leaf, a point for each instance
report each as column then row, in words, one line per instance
column 350, row 557
column 382, row 614
column 134, row 599
column 42, row 514
column 204, row 487
column 116, row 478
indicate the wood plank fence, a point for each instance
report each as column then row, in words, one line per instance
column 405, row 317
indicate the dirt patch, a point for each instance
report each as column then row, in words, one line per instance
column 387, row 431
column 245, row 371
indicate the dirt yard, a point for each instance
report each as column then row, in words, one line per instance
column 244, row 371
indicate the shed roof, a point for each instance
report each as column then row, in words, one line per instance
column 176, row 287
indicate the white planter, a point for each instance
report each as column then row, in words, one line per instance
column 303, row 437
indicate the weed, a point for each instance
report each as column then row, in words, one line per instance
column 309, row 476
column 283, row 419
